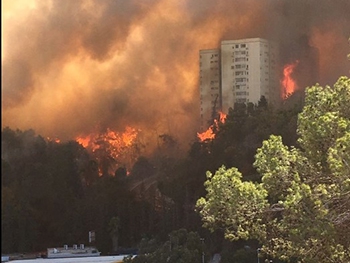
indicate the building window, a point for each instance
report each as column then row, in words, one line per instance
column 241, row 79
column 240, row 59
column 239, row 73
column 237, row 53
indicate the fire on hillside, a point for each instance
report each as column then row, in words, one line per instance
column 209, row 134
column 111, row 148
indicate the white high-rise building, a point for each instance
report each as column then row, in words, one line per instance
column 210, row 93
column 248, row 72
column 242, row 71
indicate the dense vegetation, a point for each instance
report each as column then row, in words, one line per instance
column 300, row 211
column 52, row 193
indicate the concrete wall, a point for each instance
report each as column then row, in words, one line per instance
column 209, row 83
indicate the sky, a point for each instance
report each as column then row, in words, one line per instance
column 71, row 68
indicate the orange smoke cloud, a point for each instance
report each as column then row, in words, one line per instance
column 330, row 43
column 69, row 66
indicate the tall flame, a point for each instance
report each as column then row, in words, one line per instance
column 209, row 133
column 289, row 86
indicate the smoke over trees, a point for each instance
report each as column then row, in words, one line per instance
column 55, row 193
column 69, row 66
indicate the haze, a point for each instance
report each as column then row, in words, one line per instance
column 71, row 67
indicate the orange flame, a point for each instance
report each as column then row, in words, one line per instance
column 108, row 145
column 289, row 85
column 94, row 141
column 222, row 117
column 209, row 133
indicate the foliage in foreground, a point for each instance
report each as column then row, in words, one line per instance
column 301, row 209
column 182, row 246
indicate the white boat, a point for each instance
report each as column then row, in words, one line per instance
column 72, row 252
column 5, row 258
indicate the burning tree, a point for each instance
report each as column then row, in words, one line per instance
column 209, row 134
column 111, row 148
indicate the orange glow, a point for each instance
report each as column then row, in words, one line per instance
column 117, row 140
column 222, row 117
column 56, row 140
column 108, row 145
column 209, row 133
column 289, row 85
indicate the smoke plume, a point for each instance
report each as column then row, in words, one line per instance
column 71, row 66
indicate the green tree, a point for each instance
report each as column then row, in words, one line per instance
column 300, row 212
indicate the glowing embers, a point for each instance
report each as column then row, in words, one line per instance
column 289, row 86
column 109, row 147
column 209, row 134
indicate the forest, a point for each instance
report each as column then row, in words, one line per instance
column 53, row 193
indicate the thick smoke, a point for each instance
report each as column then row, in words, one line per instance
column 71, row 66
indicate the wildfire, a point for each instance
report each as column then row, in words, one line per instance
column 108, row 147
column 289, row 85
column 209, row 133
column 95, row 141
